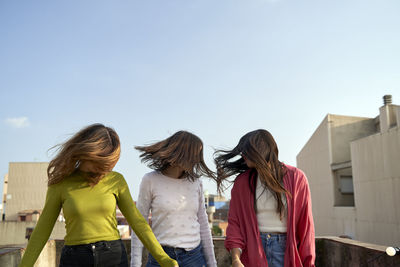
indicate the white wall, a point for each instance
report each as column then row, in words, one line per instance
column 315, row 160
column 345, row 129
column 330, row 144
column 375, row 167
column 376, row 170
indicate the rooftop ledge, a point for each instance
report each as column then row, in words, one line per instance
column 331, row 251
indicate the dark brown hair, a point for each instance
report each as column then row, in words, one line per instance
column 259, row 148
column 95, row 143
column 182, row 149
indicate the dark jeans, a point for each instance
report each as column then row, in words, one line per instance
column 99, row 254
column 191, row 258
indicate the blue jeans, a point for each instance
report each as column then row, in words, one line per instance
column 191, row 258
column 99, row 254
column 274, row 247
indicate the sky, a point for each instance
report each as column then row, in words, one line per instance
column 218, row 69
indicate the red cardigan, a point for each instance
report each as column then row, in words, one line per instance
column 242, row 231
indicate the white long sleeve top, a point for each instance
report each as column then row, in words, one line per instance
column 178, row 215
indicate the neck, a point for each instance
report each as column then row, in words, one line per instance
column 173, row 172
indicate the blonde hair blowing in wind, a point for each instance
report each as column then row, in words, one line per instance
column 96, row 144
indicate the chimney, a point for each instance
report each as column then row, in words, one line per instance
column 387, row 100
column 388, row 114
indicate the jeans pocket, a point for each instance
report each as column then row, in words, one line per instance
column 194, row 258
column 282, row 242
column 67, row 258
column 64, row 251
column 197, row 250
column 279, row 246
column 111, row 254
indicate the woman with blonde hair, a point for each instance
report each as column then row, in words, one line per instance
column 173, row 193
column 81, row 183
column 270, row 220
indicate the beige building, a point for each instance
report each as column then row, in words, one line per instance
column 4, row 198
column 353, row 168
column 27, row 185
column 24, row 196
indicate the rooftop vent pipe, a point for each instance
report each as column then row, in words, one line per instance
column 387, row 99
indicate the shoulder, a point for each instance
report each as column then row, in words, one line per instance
column 295, row 175
column 114, row 178
column 55, row 188
column 116, row 175
column 198, row 184
column 68, row 182
column 242, row 178
column 148, row 178
column 151, row 176
column 293, row 170
column 241, row 182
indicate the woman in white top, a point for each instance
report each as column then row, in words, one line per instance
column 173, row 193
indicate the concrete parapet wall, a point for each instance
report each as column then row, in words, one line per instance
column 10, row 257
column 222, row 256
column 331, row 251
column 50, row 256
column 14, row 232
column 335, row 251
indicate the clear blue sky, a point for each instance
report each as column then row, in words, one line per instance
column 216, row 68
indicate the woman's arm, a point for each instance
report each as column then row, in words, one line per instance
column 143, row 204
column 234, row 237
column 140, row 225
column 44, row 226
column 305, row 222
column 235, row 255
column 205, row 233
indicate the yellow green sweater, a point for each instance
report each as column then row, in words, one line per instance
column 90, row 216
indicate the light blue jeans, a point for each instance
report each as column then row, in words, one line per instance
column 191, row 258
column 274, row 247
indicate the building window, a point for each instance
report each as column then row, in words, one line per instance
column 28, row 232
column 344, row 188
column 346, row 184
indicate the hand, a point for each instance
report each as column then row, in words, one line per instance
column 237, row 263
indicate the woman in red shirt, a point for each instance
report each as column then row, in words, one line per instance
column 270, row 218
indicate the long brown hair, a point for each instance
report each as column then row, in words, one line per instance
column 260, row 149
column 95, row 143
column 182, row 149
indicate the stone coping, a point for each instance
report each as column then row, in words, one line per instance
column 353, row 242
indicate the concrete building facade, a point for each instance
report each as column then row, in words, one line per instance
column 24, row 195
column 27, row 186
column 4, row 197
column 353, row 168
